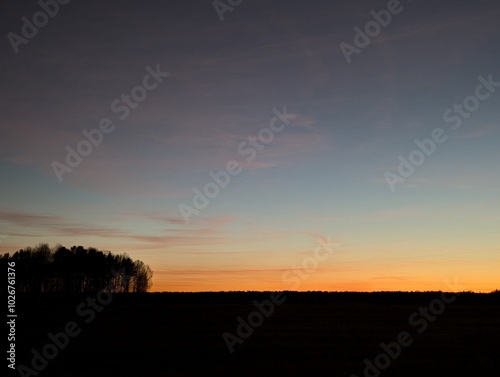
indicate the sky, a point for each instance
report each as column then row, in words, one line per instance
column 264, row 145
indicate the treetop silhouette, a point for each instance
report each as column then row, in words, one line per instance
column 41, row 269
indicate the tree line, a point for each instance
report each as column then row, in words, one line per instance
column 41, row 269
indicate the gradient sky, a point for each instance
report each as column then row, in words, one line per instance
column 322, row 176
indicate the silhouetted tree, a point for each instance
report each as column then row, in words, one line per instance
column 142, row 278
column 41, row 269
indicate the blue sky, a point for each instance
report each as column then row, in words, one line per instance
column 323, row 175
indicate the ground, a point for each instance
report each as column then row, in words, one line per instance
column 310, row 334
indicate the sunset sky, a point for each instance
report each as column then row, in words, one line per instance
column 323, row 174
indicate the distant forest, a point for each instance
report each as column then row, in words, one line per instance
column 41, row 269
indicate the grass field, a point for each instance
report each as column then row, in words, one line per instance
column 310, row 334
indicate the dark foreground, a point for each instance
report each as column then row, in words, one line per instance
column 310, row 334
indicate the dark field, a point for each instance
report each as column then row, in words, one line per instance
column 310, row 334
